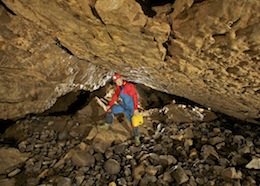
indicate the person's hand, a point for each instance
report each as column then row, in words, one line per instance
column 136, row 112
column 108, row 108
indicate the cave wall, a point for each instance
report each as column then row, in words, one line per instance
column 206, row 51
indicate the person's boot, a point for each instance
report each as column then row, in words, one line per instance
column 105, row 126
column 137, row 140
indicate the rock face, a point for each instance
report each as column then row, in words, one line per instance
column 206, row 51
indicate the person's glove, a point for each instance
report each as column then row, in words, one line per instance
column 108, row 109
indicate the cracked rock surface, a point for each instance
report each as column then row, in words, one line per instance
column 206, row 51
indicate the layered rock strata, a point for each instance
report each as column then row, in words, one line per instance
column 206, row 51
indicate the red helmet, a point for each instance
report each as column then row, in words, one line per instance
column 116, row 77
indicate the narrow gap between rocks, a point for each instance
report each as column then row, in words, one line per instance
column 70, row 103
column 148, row 4
column 57, row 42
column 7, row 9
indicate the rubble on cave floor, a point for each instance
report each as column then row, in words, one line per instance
column 180, row 145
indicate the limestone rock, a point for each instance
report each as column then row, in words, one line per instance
column 125, row 12
column 231, row 173
column 92, row 134
column 64, row 182
column 200, row 51
column 7, row 182
column 209, row 151
column 11, row 157
column 138, row 172
column 254, row 164
column 103, row 140
column 83, row 159
column 179, row 175
column 112, row 166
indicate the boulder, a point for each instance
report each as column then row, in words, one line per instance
column 11, row 158
column 112, row 166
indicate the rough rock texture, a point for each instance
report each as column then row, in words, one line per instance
column 188, row 153
column 206, row 51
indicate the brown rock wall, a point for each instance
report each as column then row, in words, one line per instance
column 207, row 52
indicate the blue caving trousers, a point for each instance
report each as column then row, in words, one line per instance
column 116, row 109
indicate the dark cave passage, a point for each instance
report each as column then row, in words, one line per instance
column 149, row 98
column 148, row 4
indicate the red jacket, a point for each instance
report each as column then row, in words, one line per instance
column 129, row 89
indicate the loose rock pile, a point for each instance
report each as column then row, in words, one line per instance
column 171, row 153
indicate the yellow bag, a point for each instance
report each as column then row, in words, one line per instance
column 137, row 120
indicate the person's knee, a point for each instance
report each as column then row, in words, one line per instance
column 113, row 109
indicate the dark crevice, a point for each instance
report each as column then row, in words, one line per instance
column 151, row 98
column 166, row 44
column 68, row 104
column 160, row 3
column 234, row 23
column 5, row 124
column 6, row 8
column 216, row 35
column 198, row 1
column 147, row 5
column 57, row 42
column 95, row 13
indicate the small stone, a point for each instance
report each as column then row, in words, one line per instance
column 179, row 175
column 74, row 134
column 99, row 156
column 149, row 178
column 112, row 166
column 167, row 177
column 216, row 140
column 83, row 158
column 193, row 153
column 151, row 170
column 208, row 151
column 7, row 182
column 14, row 172
column 22, row 146
column 127, row 171
column 79, row 179
column 129, row 157
column 138, row 172
column 200, row 181
column 254, row 164
column 112, row 184
column 32, row 181
column 231, row 173
column 122, row 181
column 92, row 134
column 63, row 181
column 188, row 133
column 119, row 149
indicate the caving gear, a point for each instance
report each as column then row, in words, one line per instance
column 105, row 126
column 137, row 120
column 137, row 140
column 129, row 90
column 116, row 77
column 128, row 94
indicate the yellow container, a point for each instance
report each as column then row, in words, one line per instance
column 137, row 120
